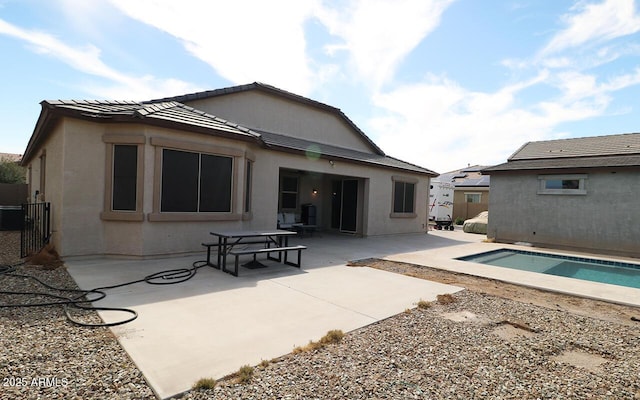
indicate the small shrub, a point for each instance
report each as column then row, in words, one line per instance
column 332, row 337
column 244, row 374
column 445, row 298
column 204, row 384
column 459, row 221
column 424, row 304
column 264, row 363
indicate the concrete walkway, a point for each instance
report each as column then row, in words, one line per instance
column 215, row 323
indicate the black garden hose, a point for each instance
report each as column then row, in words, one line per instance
column 166, row 277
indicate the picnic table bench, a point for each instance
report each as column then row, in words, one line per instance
column 230, row 241
column 268, row 251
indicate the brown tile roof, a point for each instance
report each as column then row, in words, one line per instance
column 172, row 113
column 628, row 143
column 589, row 152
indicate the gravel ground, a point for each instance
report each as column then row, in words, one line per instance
column 44, row 356
column 477, row 346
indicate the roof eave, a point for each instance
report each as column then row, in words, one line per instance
column 290, row 150
column 46, row 118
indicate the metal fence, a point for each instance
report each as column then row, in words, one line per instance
column 36, row 230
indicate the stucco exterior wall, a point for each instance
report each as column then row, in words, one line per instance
column 52, row 149
column 255, row 109
column 77, row 169
column 83, row 188
column 606, row 219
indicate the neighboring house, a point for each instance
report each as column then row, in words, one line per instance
column 10, row 157
column 152, row 178
column 574, row 193
column 471, row 191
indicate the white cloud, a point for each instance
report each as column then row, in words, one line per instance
column 440, row 124
column 244, row 41
column 379, row 34
column 248, row 40
column 87, row 60
column 595, row 23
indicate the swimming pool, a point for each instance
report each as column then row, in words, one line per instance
column 603, row 271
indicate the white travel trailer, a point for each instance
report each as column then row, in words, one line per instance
column 441, row 204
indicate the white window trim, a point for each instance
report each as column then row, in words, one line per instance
column 582, row 190
column 473, row 193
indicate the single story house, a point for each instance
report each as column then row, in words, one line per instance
column 578, row 194
column 139, row 179
column 471, row 191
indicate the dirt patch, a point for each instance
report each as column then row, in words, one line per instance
column 576, row 305
column 581, row 359
column 466, row 316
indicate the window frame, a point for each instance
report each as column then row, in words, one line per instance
column 580, row 191
column 162, row 143
column 405, row 181
column 248, row 187
column 43, row 176
column 108, row 213
column 202, row 188
column 282, row 192
column 466, row 198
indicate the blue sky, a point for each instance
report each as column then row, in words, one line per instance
column 440, row 83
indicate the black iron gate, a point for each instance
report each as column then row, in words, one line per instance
column 36, row 230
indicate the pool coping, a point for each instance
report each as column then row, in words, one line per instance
column 447, row 260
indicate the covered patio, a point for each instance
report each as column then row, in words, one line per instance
column 325, row 202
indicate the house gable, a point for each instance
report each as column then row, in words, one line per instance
column 266, row 108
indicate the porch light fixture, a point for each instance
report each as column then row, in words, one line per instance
column 314, row 191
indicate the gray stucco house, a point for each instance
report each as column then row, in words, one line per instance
column 581, row 194
column 139, row 179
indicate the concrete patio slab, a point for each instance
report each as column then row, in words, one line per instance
column 215, row 323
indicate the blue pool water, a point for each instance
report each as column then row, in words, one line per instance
column 604, row 271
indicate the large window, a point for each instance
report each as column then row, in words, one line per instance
column 125, row 171
column 562, row 184
column 195, row 182
column 403, row 197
